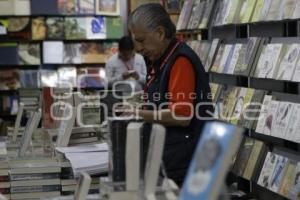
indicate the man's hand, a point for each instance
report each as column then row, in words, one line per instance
column 130, row 74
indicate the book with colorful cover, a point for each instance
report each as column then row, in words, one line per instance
column 294, row 192
column 67, row 7
column 287, row 180
column 55, row 28
column 114, row 27
column 38, row 28
column 86, row 6
column 108, row 7
column 278, row 173
column 96, row 27
column 75, row 28
column 206, row 174
column 9, row 79
column 19, row 28
column 92, row 52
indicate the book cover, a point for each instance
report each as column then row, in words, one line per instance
column 108, row 7
column 225, row 67
column 215, row 91
column 254, row 160
column 49, row 78
column 212, row 54
column 75, row 28
column 289, row 8
column 288, row 63
column 114, row 27
column 22, row 7
column 19, row 28
column 265, row 10
column 45, row 7
column 247, row 56
column 55, row 28
column 292, row 129
column 67, row 77
column 270, row 117
column 229, row 104
column 294, row 192
column 278, row 173
column 230, row 66
column 86, row 6
column 29, row 78
column 276, row 10
column 7, row 7
column 239, row 105
column 202, row 50
column 92, row 53
column 222, row 100
column 3, row 28
column 211, row 161
column 96, row 27
column 267, row 170
column 243, row 155
column 257, row 11
column 218, row 58
column 234, row 11
column 38, row 28
column 263, row 114
column 197, row 13
column 287, row 180
column 228, row 50
column 209, row 4
column 185, row 15
column 72, row 53
column 29, row 54
column 296, row 76
column 53, row 52
column 247, row 11
column 67, row 7
column 9, row 79
column 282, row 119
column 296, row 14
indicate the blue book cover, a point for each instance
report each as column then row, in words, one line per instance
column 211, row 161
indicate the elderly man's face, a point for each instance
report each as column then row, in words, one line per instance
column 149, row 43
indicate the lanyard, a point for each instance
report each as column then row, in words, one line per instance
column 147, row 85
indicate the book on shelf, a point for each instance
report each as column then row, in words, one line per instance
column 19, row 28
column 9, row 54
column 226, row 57
column 38, row 28
column 86, row 6
column 29, row 78
column 96, row 27
column 293, row 127
column 185, row 15
column 55, row 28
column 232, row 15
column 75, row 28
column 263, row 114
column 67, row 7
column 243, row 155
column 53, row 52
column 267, row 170
column 206, row 174
column 270, row 117
column 207, row 15
column 246, row 11
column 6, row 7
column 289, row 8
column 45, row 7
column 196, row 15
column 231, row 63
column 276, row 9
column 296, row 76
column 108, row 7
column 212, row 54
column 295, row 187
column 72, row 53
column 67, row 77
column 216, row 63
column 49, row 78
column 114, row 27
column 29, row 54
column 265, row 10
column 257, row 10
column 278, row 172
column 296, row 14
column 22, row 7
column 287, row 180
column 9, row 79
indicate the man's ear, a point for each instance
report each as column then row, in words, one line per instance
column 161, row 33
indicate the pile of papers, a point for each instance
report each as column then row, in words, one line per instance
column 92, row 159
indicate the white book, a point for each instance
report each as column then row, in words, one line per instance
column 6, row 7
column 263, row 114
column 265, row 10
column 267, row 66
column 270, row 117
column 278, row 173
column 31, row 127
column 234, row 59
column 296, row 14
column 282, row 118
column 133, row 156
column 296, row 76
column 288, row 64
column 225, row 57
column 267, row 170
column 22, row 7
column 18, row 122
column 154, row 157
column 53, row 52
column 96, row 27
column 212, row 54
column 65, row 127
column 82, row 187
column 291, row 131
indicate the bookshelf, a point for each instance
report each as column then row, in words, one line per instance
column 276, row 27
column 83, row 31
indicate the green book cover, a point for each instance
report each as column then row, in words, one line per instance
column 234, row 11
column 257, row 10
column 247, row 14
column 114, row 27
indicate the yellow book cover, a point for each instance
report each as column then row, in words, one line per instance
column 233, row 11
column 258, row 145
column 246, row 14
column 257, row 10
column 288, row 179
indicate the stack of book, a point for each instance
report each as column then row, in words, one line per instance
column 83, row 135
column 4, row 171
column 33, row 179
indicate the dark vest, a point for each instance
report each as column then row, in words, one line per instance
column 180, row 141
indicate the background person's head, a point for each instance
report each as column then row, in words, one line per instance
column 126, row 48
column 151, row 29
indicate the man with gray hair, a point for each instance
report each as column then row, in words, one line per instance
column 174, row 68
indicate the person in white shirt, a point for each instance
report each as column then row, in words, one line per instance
column 126, row 68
